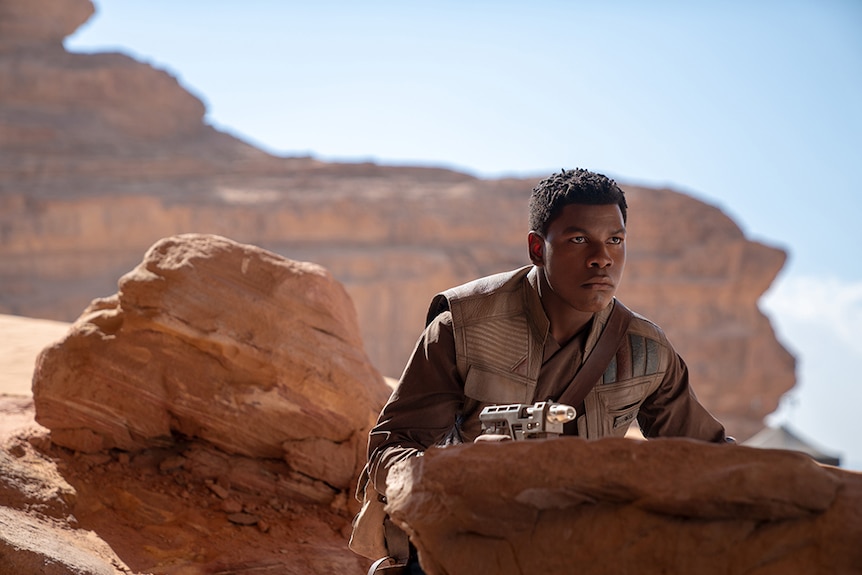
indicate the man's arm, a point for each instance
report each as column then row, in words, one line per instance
column 673, row 410
column 423, row 407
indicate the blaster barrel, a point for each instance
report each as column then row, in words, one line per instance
column 523, row 421
column 557, row 412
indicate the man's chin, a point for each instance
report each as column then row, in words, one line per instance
column 596, row 305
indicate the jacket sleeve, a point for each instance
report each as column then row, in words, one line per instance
column 673, row 410
column 423, row 407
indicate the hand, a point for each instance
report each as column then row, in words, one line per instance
column 492, row 437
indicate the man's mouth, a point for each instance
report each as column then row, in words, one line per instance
column 599, row 284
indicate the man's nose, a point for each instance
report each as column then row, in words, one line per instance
column 600, row 257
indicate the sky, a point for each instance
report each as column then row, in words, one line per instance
column 754, row 107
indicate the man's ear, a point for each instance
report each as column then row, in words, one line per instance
column 536, row 246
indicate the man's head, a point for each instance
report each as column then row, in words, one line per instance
column 577, row 239
column 576, row 186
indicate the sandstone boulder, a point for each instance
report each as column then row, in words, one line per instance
column 222, row 343
column 614, row 505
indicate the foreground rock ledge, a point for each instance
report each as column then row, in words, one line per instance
column 664, row 506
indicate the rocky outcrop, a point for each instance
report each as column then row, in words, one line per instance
column 101, row 156
column 224, row 343
column 692, row 270
column 212, row 416
column 40, row 24
column 35, row 503
column 173, row 510
column 567, row 505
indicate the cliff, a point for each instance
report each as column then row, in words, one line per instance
column 102, row 155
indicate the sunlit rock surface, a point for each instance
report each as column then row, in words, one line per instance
column 212, row 340
column 102, row 155
column 567, row 505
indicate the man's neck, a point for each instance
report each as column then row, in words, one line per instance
column 565, row 321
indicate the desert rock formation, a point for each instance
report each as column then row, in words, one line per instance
column 179, row 509
column 565, row 505
column 211, row 416
column 225, row 343
column 182, row 421
column 101, row 156
column 35, row 507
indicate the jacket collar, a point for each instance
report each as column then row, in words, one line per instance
column 540, row 323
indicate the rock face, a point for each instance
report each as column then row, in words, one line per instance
column 37, row 542
column 40, row 24
column 229, row 344
column 210, row 417
column 567, row 505
column 101, row 156
column 182, row 509
column 700, row 279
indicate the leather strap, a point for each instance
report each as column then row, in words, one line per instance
column 384, row 566
column 606, row 347
column 397, row 541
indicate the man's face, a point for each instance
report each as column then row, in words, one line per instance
column 582, row 254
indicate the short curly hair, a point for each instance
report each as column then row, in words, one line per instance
column 576, row 186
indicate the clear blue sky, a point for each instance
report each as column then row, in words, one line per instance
column 755, row 107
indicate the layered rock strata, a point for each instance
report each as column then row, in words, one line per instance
column 102, row 155
column 211, row 416
column 228, row 344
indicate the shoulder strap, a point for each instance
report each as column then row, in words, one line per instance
column 607, row 345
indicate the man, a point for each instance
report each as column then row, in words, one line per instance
column 521, row 336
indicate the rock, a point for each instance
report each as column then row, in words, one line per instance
column 65, row 512
column 28, row 482
column 40, row 23
column 243, row 519
column 664, row 506
column 31, row 545
column 37, row 531
column 211, row 340
column 700, row 278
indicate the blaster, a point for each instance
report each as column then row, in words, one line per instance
column 522, row 421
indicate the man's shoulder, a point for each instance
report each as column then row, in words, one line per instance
column 488, row 284
column 475, row 296
column 642, row 325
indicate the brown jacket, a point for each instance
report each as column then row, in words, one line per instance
column 487, row 342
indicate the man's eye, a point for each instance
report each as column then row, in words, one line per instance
column 579, row 240
column 616, row 240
